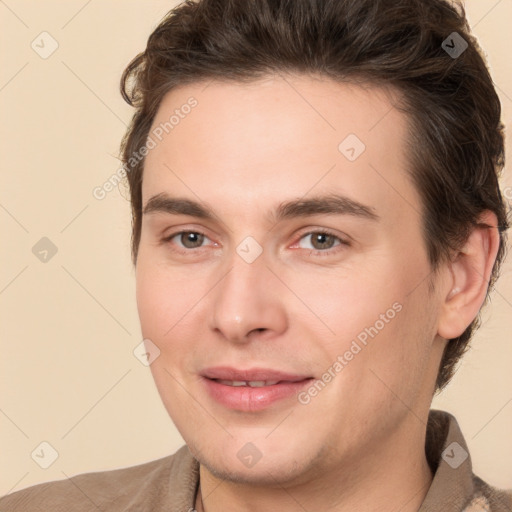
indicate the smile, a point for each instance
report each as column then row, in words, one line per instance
column 254, row 389
column 252, row 383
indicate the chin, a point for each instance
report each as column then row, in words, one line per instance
column 277, row 468
column 267, row 475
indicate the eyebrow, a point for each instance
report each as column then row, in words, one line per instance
column 331, row 204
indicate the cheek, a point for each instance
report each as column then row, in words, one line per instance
column 169, row 306
column 345, row 302
column 151, row 299
column 162, row 306
column 161, row 299
column 373, row 312
column 396, row 360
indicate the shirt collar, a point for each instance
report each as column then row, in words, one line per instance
column 452, row 487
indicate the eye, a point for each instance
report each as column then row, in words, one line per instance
column 321, row 242
column 187, row 239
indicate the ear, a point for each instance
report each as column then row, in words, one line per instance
column 470, row 270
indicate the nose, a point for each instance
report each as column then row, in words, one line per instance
column 248, row 303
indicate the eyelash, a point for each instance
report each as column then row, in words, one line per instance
column 343, row 243
column 316, row 252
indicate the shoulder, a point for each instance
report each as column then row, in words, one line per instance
column 150, row 486
column 454, row 486
column 489, row 499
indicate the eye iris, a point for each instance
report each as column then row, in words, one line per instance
column 192, row 240
column 324, row 240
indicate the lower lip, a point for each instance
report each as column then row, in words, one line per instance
column 247, row 399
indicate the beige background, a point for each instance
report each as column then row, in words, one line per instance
column 69, row 325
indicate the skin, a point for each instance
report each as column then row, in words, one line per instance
column 243, row 150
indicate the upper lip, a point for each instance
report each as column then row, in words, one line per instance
column 253, row 374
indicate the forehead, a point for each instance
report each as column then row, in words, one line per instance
column 246, row 147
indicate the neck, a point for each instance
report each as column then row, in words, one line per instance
column 393, row 476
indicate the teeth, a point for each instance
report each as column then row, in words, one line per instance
column 251, row 383
column 261, row 383
column 235, row 383
column 256, row 383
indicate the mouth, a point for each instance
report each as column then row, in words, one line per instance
column 251, row 383
column 252, row 390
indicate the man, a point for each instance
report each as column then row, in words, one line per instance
column 316, row 225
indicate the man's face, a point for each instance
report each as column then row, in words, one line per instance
column 332, row 322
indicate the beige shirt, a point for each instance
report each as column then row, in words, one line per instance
column 170, row 484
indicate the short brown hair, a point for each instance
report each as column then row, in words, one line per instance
column 456, row 145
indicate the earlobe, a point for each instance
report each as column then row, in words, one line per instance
column 470, row 273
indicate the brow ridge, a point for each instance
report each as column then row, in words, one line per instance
column 330, row 204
